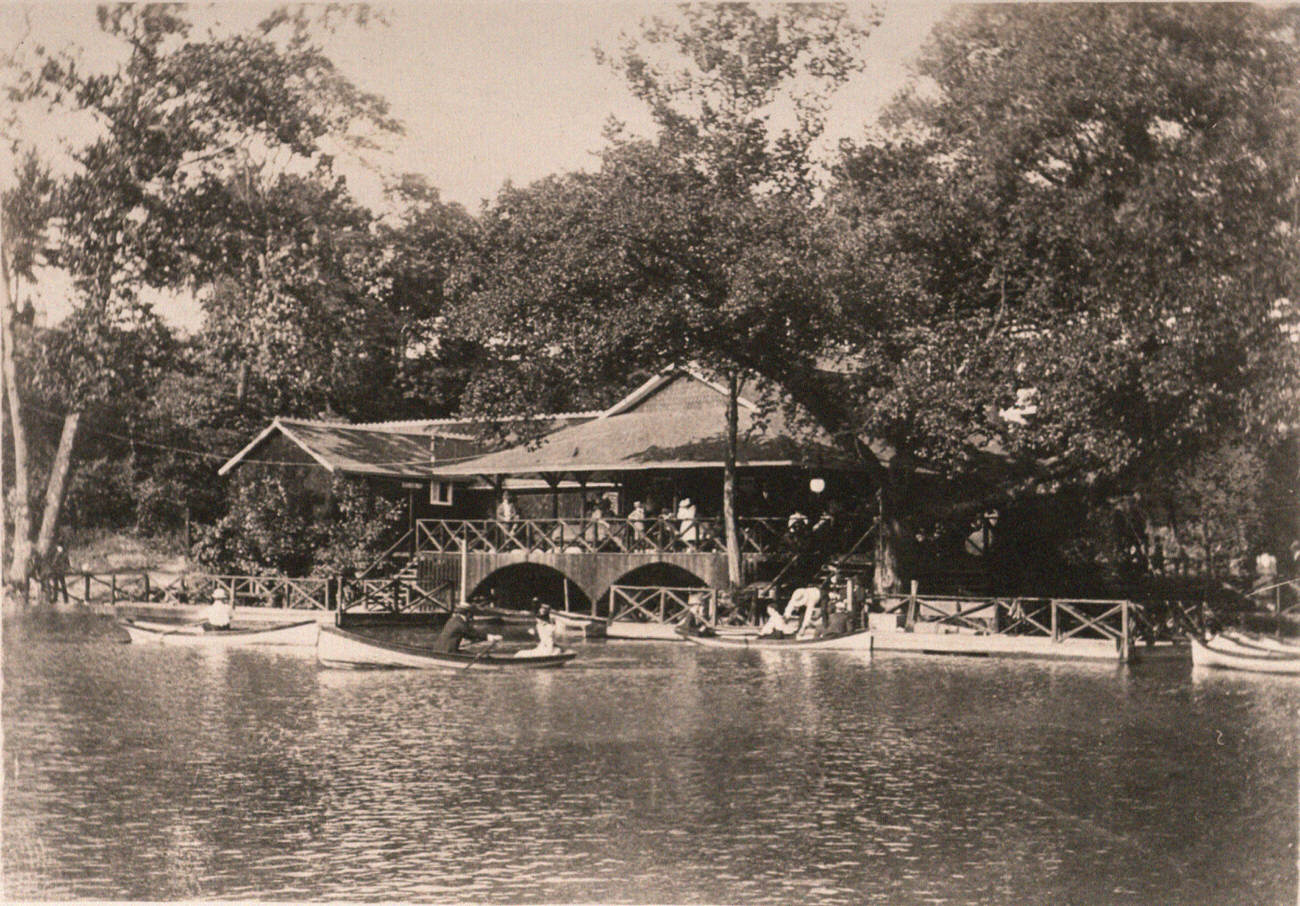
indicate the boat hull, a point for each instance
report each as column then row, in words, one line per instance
column 854, row 641
column 1227, row 655
column 288, row 635
column 637, row 631
column 577, row 623
column 340, row 648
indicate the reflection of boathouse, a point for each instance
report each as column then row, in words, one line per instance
column 577, row 528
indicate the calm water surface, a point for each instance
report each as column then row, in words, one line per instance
column 642, row 773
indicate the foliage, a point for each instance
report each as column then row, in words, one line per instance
column 694, row 245
column 1070, row 247
column 276, row 524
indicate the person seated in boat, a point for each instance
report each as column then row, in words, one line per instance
column 460, row 626
column 775, row 626
column 544, row 629
column 219, row 612
column 695, row 623
column 837, row 621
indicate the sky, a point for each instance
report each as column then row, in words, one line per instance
column 488, row 90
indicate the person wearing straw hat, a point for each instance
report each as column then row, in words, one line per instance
column 220, row 612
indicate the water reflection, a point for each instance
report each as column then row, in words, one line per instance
column 646, row 773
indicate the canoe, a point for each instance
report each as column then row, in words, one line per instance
column 643, row 631
column 340, row 648
column 1216, row 652
column 147, row 632
column 853, row 641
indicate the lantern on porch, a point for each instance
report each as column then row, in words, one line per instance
column 817, row 485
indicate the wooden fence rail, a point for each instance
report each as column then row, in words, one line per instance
column 659, row 604
column 1059, row 619
column 142, row 586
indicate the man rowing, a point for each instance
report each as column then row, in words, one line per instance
column 459, row 626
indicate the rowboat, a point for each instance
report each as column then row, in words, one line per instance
column 147, row 632
column 1264, row 642
column 340, row 648
column 853, row 641
column 1227, row 654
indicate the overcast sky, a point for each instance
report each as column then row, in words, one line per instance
column 492, row 91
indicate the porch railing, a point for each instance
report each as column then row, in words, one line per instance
column 611, row 535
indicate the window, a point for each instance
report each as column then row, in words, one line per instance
column 440, row 493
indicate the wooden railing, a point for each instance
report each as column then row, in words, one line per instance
column 141, row 586
column 1059, row 619
column 659, row 604
column 612, row 535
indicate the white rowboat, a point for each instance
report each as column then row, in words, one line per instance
column 144, row 632
column 1226, row 654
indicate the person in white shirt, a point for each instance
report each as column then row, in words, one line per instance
column 220, row 612
column 544, row 629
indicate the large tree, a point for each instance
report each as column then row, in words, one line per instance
column 690, row 245
column 1074, row 241
column 211, row 172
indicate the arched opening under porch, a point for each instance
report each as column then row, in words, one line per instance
column 516, row 585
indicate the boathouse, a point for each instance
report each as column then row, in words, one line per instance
column 633, row 498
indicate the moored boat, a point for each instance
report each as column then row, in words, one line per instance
column 340, row 648
column 853, row 641
column 1263, row 642
column 1226, row 654
column 568, row 621
column 300, row 634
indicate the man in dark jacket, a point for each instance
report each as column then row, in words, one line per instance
column 459, row 626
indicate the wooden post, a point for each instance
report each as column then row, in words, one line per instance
column 464, row 568
column 86, row 598
column 1123, row 631
column 112, row 587
column 1052, row 604
column 146, row 585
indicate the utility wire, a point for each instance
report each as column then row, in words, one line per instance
column 203, row 454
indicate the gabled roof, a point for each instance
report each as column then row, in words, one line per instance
column 347, row 449
column 400, row 449
column 676, row 420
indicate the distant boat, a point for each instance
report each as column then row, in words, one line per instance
column 1227, row 653
column 341, row 648
column 147, row 632
column 853, row 641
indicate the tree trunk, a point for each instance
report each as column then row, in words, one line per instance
column 56, row 485
column 21, row 559
column 734, row 576
column 888, row 533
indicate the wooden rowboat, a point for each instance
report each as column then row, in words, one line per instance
column 340, row 648
column 1225, row 654
column 853, row 641
column 1263, row 642
column 145, row 632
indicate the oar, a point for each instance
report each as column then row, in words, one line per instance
column 490, row 646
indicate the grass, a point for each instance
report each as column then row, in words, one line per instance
column 106, row 551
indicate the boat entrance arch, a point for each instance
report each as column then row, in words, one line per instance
column 517, row 584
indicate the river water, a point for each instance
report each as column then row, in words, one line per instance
column 641, row 773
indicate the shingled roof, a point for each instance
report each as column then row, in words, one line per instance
column 676, row 420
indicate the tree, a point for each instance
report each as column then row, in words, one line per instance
column 687, row 246
column 213, row 161
column 1071, row 247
